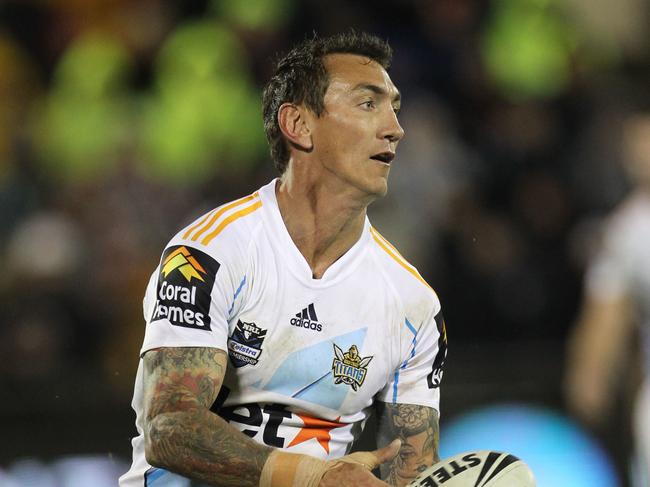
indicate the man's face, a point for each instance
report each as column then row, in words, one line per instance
column 356, row 136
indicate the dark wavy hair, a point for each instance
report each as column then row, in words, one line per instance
column 300, row 77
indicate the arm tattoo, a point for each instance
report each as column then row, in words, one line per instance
column 181, row 433
column 417, row 427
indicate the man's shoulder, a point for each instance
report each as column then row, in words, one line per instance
column 627, row 228
column 227, row 228
column 404, row 276
column 631, row 215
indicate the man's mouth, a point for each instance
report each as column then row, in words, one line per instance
column 385, row 157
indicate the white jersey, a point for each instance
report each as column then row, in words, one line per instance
column 307, row 357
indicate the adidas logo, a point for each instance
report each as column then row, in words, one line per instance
column 307, row 319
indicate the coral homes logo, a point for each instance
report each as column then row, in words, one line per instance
column 182, row 259
column 184, row 287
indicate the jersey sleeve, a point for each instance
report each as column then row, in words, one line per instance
column 609, row 273
column 417, row 378
column 188, row 297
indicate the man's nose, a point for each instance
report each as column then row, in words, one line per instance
column 393, row 130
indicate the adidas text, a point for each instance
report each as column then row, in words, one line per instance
column 306, row 323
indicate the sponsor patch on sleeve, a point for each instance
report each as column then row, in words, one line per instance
column 185, row 282
column 435, row 377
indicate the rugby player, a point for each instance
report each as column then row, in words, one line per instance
column 277, row 323
column 616, row 305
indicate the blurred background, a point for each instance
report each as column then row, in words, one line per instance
column 122, row 120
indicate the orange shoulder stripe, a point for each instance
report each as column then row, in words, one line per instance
column 215, row 216
column 383, row 239
column 197, row 225
column 227, row 221
column 397, row 257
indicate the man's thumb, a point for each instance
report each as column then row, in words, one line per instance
column 388, row 452
column 372, row 459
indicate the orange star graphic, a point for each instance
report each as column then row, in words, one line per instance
column 316, row 428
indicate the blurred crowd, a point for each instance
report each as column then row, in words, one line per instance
column 121, row 121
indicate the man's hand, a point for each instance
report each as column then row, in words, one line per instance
column 296, row 470
column 355, row 470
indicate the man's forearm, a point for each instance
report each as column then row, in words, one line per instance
column 200, row 445
column 417, row 427
column 181, row 433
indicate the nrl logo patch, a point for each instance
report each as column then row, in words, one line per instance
column 349, row 367
column 245, row 344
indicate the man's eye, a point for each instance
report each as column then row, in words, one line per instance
column 369, row 104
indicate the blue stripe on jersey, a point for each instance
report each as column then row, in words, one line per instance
column 159, row 477
column 304, row 390
column 413, row 343
column 234, row 298
column 410, row 326
column 152, row 475
column 395, row 382
column 405, row 363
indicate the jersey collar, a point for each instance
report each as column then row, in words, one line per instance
column 285, row 246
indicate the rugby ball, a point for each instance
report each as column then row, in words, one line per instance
column 483, row 468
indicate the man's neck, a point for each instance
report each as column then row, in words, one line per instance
column 322, row 222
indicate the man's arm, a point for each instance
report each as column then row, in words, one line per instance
column 417, row 427
column 595, row 352
column 181, row 434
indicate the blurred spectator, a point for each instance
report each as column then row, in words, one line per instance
column 433, row 170
column 616, row 299
column 39, row 329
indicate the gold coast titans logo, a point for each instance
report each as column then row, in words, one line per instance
column 349, row 367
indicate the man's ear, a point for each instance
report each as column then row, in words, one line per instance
column 295, row 126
